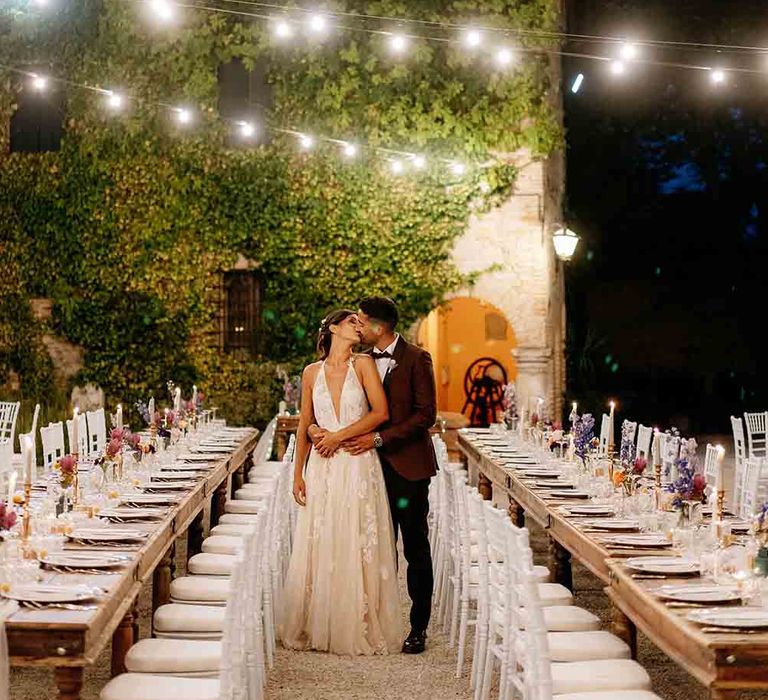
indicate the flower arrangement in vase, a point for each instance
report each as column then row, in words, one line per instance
column 509, row 404
column 583, row 434
column 759, row 530
column 8, row 516
column 689, row 489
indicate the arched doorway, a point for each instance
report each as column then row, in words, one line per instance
column 457, row 334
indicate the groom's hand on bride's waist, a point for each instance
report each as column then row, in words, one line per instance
column 360, row 444
column 317, row 435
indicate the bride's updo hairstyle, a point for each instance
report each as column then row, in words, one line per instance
column 324, row 335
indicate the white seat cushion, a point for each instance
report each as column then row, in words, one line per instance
column 198, row 619
column 569, row 618
column 206, row 564
column 554, row 594
column 222, row 544
column 540, row 572
column 586, row 646
column 231, row 530
column 583, row 676
column 200, row 589
column 238, row 518
column 239, row 506
column 174, row 656
column 610, row 695
column 140, row 686
column 253, row 494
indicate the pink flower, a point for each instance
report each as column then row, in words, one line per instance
column 639, row 465
column 133, row 440
column 67, row 464
column 699, row 483
column 117, row 433
column 10, row 519
column 189, row 406
column 113, row 447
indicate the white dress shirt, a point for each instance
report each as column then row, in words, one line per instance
column 385, row 364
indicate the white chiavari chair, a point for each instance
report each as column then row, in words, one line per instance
column 232, row 680
column 605, row 434
column 670, row 451
column 9, row 413
column 739, row 456
column 97, row 431
column 757, row 433
column 564, row 665
column 710, row 464
column 82, row 435
column 52, row 438
column 753, row 493
column 644, row 439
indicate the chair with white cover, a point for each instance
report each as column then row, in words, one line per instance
column 18, row 457
column 644, row 439
column 52, row 438
column 753, row 493
column 757, row 433
column 97, row 431
column 605, row 434
column 232, row 682
column 9, row 413
column 563, row 666
column 82, row 435
column 739, row 457
column 670, row 451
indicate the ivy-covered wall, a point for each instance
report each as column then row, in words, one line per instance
column 128, row 226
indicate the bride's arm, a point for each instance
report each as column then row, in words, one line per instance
column 377, row 399
column 303, row 445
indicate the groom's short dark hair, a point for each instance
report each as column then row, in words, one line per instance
column 382, row 309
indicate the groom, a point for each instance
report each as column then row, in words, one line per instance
column 405, row 449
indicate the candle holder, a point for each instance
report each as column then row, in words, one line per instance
column 26, row 520
column 657, row 477
column 611, row 455
column 76, row 480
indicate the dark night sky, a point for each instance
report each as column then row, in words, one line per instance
column 667, row 177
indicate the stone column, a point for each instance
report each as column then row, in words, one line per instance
column 535, row 376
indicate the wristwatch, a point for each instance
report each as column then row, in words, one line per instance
column 378, row 443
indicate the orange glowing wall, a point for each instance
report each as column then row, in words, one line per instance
column 457, row 334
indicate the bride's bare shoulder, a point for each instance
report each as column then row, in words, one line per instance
column 310, row 371
column 362, row 358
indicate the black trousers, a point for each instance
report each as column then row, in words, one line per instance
column 409, row 505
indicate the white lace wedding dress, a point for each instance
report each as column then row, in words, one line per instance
column 341, row 592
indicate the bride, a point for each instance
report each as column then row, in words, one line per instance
column 341, row 592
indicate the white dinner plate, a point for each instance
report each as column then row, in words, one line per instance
column 590, row 509
column 192, row 465
column 731, row 617
column 160, row 486
column 638, row 540
column 663, row 565
column 174, row 475
column 616, row 524
column 552, row 484
column 541, row 473
column 150, row 499
column 84, row 560
column 107, row 534
column 567, row 493
column 134, row 513
column 49, row 593
column 698, row 593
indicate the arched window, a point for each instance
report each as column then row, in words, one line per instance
column 242, row 312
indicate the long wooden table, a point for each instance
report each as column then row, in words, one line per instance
column 69, row 640
column 723, row 662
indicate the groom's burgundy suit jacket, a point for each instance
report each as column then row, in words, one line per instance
column 410, row 388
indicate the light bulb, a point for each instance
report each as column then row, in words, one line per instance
column 419, row 162
column 247, row 130
column 397, row 167
column 39, row 82
column 398, row 43
column 458, row 169
column 283, row 30
column 618, row 68
column 577, row 83
column 473, row 38
column 114, row 100
column 183, row 116
column 318, row 24
column 717, row 76
column 504, row 57
column 350, row 150
column 163, row 9
column 628, row 51
column 306, row 141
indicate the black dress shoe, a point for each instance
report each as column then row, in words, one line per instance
column 415, row 643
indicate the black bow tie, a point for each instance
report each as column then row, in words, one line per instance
column 381, row 355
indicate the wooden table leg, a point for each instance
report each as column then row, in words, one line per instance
column 195, row 536
column 135, row 612
column 624, row 629
column 281, row 445
column 161, row 580
column 238, row 478
column 69, row 681
column 723, row 694
column 122, row 641
column 485, row 487
column 218, row 502
column 516, row 513
column 560, row 564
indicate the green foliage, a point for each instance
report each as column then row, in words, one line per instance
column 128, row 227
